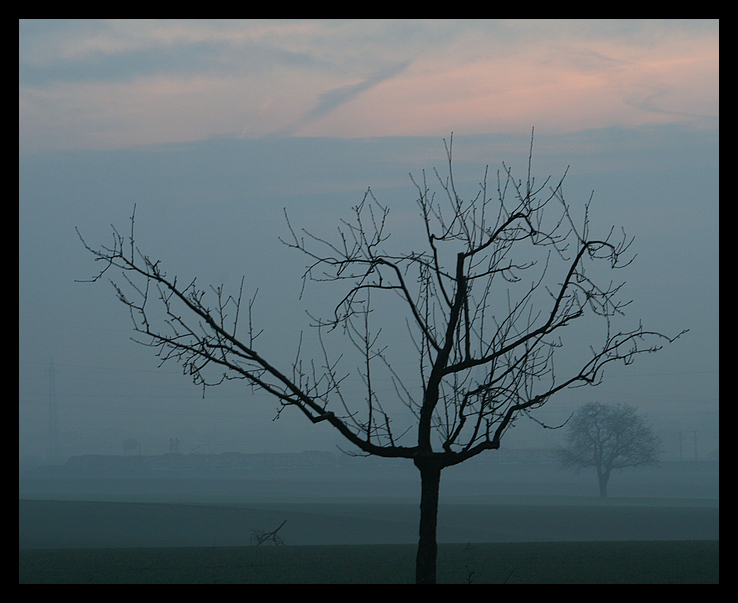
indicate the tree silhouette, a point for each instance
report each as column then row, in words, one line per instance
column 483, row 307
column 608, row 437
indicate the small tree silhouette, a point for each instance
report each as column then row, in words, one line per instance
column 608, row 437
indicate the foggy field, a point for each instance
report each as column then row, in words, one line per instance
column 521, row 563
column 90, row 524
column 360, row 526
column 568, row 540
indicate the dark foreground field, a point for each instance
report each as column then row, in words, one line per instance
column 657, row 541
column 492, row 563
column 48, row 524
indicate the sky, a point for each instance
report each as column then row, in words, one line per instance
column 213, row 128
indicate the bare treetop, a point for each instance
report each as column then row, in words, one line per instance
column 448, row 289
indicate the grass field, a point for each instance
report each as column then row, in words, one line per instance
column 506, row 539
column 90, row 524
column 663, row 562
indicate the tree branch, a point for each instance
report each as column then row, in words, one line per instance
column 480, row 367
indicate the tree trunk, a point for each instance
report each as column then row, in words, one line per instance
column 430, row 479
column 603, row 477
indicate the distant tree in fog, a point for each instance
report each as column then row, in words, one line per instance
column 482, row 302
column 607, row 437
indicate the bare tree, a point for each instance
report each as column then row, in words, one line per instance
column 483, row 324
column 608, row 437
